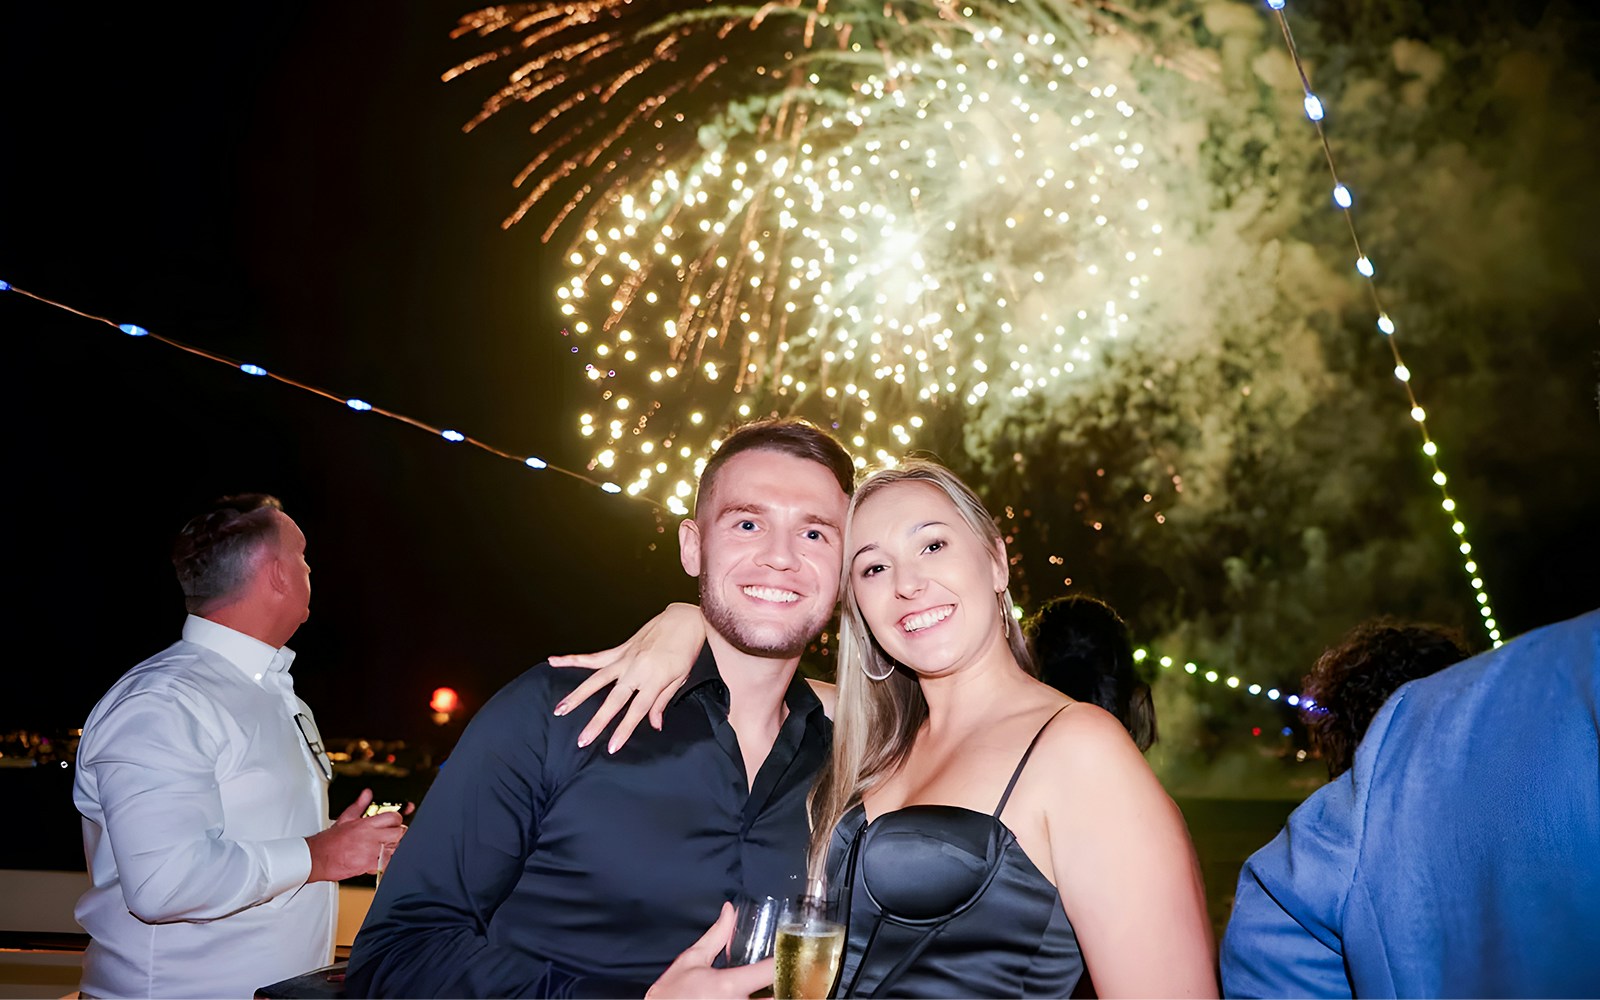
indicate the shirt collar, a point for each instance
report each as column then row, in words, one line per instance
column 798, row 698
column 703, row 672
column 249, row 654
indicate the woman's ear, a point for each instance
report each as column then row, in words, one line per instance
column 1002, row 566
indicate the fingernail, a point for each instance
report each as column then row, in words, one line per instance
column 584, row 741
column 613, row 746
column 561, row 709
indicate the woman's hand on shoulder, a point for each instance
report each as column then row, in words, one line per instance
column 646, row 671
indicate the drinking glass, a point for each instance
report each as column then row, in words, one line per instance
column 810, row 943
column 754, row 929
column 385, row 852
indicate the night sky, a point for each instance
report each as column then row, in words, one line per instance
column 288, row 184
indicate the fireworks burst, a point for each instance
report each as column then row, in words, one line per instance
column 859, row 214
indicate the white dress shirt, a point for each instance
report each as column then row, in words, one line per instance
column 197, row 790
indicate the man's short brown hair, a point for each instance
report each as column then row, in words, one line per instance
column 789, row 435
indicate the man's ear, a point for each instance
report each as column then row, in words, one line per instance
column 689, row 546
column 272, row 567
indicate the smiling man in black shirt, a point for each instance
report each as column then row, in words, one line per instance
column 539, row 868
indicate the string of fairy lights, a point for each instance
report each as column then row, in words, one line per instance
column 1345, row 201
column 354, row 403
column 1231, row 681
column 360, row 405
column 837, row 257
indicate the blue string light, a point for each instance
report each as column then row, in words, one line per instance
column 354, row 403
column 1211, row 676
column 1275, row 4
column 1313, row 108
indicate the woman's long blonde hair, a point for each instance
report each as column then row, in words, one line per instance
column 876, row 722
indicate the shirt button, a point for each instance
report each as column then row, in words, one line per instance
column 258, row 677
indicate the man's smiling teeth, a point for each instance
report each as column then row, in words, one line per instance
column 772, row 594
column 918, row 622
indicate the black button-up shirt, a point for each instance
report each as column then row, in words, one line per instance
column 538, row 868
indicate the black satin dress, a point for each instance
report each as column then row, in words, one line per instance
column 943, row 902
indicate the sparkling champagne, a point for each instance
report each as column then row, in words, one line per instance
column 808, row 960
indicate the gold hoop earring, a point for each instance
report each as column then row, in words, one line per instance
column 877, row 677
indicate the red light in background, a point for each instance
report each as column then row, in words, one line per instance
column 445, row 700
column 1255, row 730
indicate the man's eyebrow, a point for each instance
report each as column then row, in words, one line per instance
column 826, row 522
column 758, row 508
column 742, row 508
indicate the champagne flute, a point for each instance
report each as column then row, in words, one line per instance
column 810, row 943
column 755, row 923
column 385, row 852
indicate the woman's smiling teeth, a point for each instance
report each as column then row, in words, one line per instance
column 772, row 594
column 926, row 619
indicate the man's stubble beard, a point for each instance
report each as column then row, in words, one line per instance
column 721, row 619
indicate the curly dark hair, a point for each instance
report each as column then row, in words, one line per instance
column 1352, row 680
column 1082, row 649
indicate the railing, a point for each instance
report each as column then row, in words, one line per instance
column 41, row 945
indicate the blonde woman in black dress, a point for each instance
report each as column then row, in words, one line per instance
column 987, row 835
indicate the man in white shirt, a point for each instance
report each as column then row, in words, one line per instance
column 203, row 785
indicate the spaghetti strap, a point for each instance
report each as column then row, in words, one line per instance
column 1024, row 761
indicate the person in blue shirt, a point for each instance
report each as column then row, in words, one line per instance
column 1460, row 856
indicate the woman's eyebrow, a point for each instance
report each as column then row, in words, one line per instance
column 912, row 531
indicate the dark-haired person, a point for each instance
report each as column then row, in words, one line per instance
column 1082, row 649
column 1352, row 680
column 539, row 867
column 204, row 786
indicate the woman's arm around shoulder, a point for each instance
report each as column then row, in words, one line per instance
column 1124, row 864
